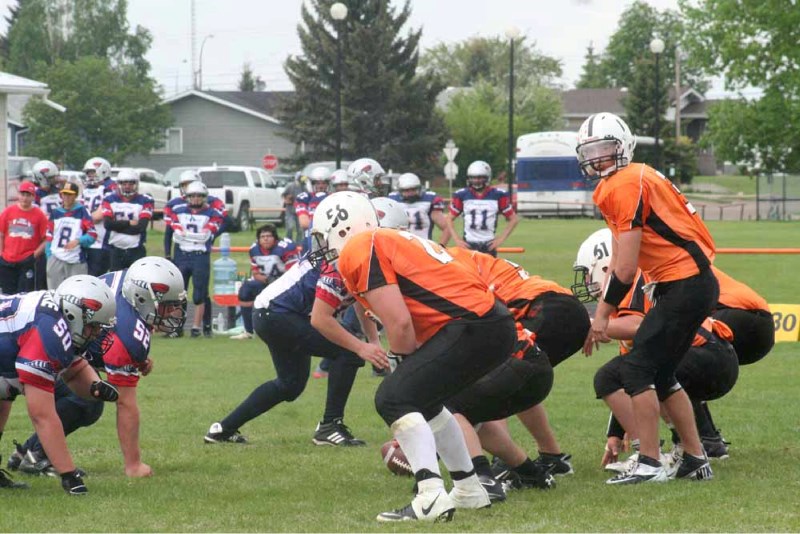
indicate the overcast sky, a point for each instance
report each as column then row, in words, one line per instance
column 263, row 32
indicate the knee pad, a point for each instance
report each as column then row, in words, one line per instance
column 608, row 378
column 638, row 375
column 440, row 420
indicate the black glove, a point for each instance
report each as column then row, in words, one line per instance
column 72, row 482
column 104, row 391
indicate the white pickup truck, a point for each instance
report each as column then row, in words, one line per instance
column 246, row 191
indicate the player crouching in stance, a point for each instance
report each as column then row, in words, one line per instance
column 43, row 335
column 445, row 331
column 149, row 295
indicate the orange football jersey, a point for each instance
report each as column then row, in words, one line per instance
column 675, row 242
column 436, row 288
column 735, row 294
column 509, row 281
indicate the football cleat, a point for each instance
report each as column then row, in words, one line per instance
column 471, row 493
column 7, row 482
column 694, row 468
column 557, row 464
column 244, row 335
column 639, row 473
column 433, row 506
column 36, row 463
column 493, row 487
column 335, row 433
column 195, row 332
column 16, row 457
column 623, row 466
column 216, row 434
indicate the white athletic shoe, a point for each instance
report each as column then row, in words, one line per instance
column 470, row 493
column 640, row 473
column 244, row 335
column 623, row 466
column 434, row 506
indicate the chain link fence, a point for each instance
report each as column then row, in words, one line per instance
column 778, row 197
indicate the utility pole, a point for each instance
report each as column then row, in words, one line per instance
column 194, row 46
column 677, row 92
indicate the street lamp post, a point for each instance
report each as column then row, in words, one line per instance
column 338, row 13
column 199, row 84
column 657, row 47
column 512, row 32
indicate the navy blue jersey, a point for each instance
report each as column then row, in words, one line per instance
column 296, row 290
column 35, row 341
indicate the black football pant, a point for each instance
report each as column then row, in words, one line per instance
column 292, row 341
column 560, row 323
column 753, row 332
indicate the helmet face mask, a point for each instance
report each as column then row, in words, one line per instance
column 154, row 286
column 186, row 178
column 320, row 178
column 591, row 266
column 339, row 217
column 410, row 187
column 605, row 145
column 128, row 182
column 340, row 181
column 196, row 194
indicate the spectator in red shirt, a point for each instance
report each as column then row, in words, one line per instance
column 22, row 239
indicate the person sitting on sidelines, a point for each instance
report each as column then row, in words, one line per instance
column 270, row 257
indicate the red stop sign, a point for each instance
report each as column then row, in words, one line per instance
column 269, row 162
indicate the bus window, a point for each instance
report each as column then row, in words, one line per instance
column 558, row 173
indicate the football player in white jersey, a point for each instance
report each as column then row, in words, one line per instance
column 424, row 209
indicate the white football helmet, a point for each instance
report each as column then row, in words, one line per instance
column 193, row 190
column 154, row 286
column 605, row 145
column 186, row 178
column 128, row 182
column 89, row 308
column 337, row 218
column 479, row 174
column 390, row 213
column 320, row 178
column 96, row 169
column 410, row 186
column 340, row 181
column 367, row 174
column 591, row 266
column 45, row 173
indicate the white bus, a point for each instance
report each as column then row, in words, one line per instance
column 549, row 180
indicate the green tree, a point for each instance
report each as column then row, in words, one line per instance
column 639, row 23
column 41, row 32
column 751, row 44
column 477, row 59
column 387, row 106
column 115, row 114
column 249, row 81
column 591, row 77
column 478, row 121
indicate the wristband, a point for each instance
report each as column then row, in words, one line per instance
column 615, row 290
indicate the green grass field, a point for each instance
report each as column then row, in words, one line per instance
column 282, row 482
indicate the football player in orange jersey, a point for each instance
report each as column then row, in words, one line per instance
column 656, row 229
column 445, row 331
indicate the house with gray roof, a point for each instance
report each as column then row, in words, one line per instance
column 222, row 127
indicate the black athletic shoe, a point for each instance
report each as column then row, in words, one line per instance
column 558, row 464
column 493, row 487
column 216, row 434
column 336, row 433
column 195, row 332
column 693, row 468
column 36, row 463
column 207, row 332
column 715, row 447
column 512, row 478
column 6, row 482
column 16, row 457
column 174, row 335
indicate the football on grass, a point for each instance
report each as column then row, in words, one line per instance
column 395, row 459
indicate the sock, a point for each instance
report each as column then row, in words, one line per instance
column 247, row 318
column 417, row 441
column 646, row 460
column 528, row 467
column 341, row 375
column 450, row 443
column 675, row 437
column 481, row 466
column 207, row 314
column 635, row 445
